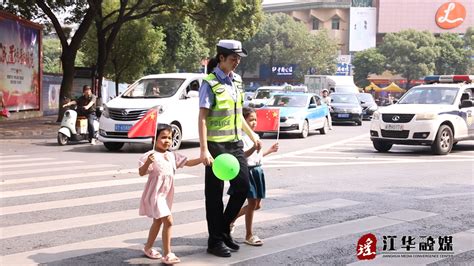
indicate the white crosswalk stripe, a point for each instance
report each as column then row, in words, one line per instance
column 38, row 164
column 185, row 229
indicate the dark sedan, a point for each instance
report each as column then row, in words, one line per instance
column 368, row 104
column 346, row 108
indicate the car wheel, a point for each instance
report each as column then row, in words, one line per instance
column 444, row 141
column 359, row 122
column 325, row 128
column 113, row 146
column 382, row 146
column 62, row 139
column 177, row 137
column 304, row 130
column 261, row 134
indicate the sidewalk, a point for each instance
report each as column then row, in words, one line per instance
column 30, row 128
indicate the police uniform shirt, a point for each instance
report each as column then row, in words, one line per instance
column 206, row 96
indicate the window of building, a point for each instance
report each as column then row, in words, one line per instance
column 315, row 24
column 335, row 23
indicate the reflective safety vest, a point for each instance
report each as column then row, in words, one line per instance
column 224, row 121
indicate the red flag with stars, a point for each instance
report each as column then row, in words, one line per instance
column 146, row 126
column 267, row 120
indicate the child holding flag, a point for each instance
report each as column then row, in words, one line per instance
column 157, row 198
column 256, row 178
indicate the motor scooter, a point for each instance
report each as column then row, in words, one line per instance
column 74, row 127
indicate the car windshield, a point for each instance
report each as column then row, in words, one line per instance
column 365, row 97
column 429, row 95
column 344, row 98
column 289, row 101
column 154, row 88
column 265, row 94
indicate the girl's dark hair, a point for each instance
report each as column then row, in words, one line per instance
column 162, row 127
column 246, row 111
column 214, row 61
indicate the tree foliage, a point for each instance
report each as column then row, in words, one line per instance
column 453, row 57
column 283, row 41
column 51, row 55
column 410, row 53
column 369, row 61
column 469, row 46
column 185, row 47
column 128, row 57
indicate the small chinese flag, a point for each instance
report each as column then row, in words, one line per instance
column 146, row 126
column 267, row 120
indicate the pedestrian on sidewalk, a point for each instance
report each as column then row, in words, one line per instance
column 220, row 131
column 256, row 179
column 157, row 198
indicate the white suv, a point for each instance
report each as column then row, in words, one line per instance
column 439, row 114
column 177, row 96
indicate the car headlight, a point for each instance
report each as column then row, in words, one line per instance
column 376, row 115
column 426, row 116
column 105, row 112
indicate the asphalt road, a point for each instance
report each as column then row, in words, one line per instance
column 77, row 204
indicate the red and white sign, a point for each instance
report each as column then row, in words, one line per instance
column 450, row 15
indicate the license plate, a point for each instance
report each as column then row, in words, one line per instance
column 343, row 115
column 122, row 127
column 396, row 127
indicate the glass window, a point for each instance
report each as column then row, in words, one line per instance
column 154, row 88
column 335, row 23
column 315, row 24
column 433, row 95
column 289, row 101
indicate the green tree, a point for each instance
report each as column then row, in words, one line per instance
column 366, row 62
column 469, row 46
column 185, row 47
column 453, row 57
column 128, row 58
column 410, row 53
column 51, row 55
column 283, row 41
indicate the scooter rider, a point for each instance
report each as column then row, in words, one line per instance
column 86, row 105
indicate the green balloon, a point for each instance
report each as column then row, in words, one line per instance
column 225, row 167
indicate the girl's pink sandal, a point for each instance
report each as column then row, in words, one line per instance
column 152, row 254
column 170, row 259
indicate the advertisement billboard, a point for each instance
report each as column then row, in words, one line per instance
column 363, row 28
column 20, row 70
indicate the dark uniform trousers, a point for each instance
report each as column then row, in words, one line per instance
column 218, row 219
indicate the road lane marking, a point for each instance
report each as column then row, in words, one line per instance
column 102, row 218
column 278, row 164
column 294, row 240
column 58, row 253
column 462, row 242
column 322, row 147
column 85, row 201
column 343, row 157
column 446, row 195
column 12, row 156
column 39, row 164
column 65, row 169
column 25, row 160
column 67, row 176
column 89, row 185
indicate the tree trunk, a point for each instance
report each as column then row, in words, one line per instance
column 67, row 60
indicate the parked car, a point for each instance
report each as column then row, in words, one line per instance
column 300, row 113
column 346, row 108
column 264, row 93
column 438, row 114
column 177, row 97
column 368, row 104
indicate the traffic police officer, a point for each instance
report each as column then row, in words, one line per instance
column 220, row 129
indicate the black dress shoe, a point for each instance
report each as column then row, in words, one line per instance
column 219, row 250
column 230, row 243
